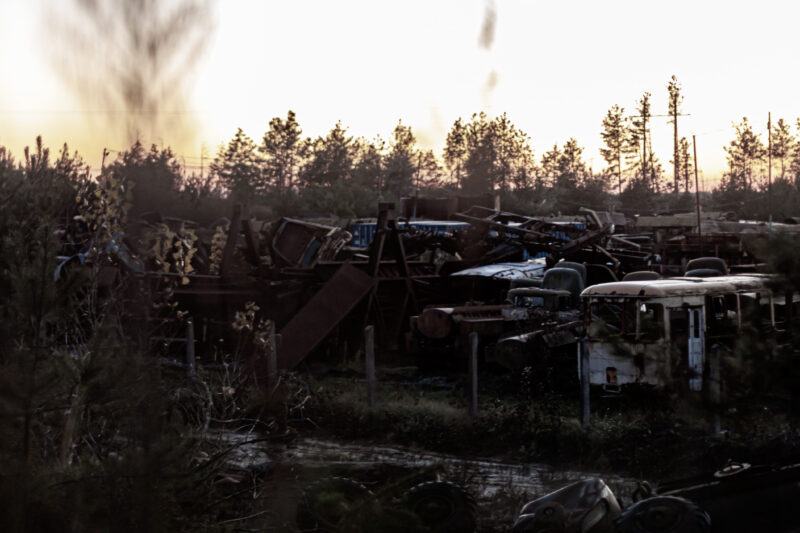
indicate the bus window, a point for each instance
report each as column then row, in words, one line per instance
column 679, row 326
column 611, row 317
column 756, row 310
column 787, row 305
column 651, row 321
column 721, row 314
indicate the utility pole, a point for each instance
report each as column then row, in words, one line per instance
column 697, row 194
column 675, row 153
column 644, row 138
column 769, row 167
column 103, row 162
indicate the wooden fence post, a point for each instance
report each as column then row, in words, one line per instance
column 473, row 374
column 585, row 410
column 714, row 392
column 190, row 359
column 369, row 363
column 272, row 358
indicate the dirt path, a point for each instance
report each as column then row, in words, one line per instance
column 498, row 487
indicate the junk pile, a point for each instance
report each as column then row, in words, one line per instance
column 427, row 284
column 738, row 497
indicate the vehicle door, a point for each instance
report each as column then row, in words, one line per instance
column 695, row 348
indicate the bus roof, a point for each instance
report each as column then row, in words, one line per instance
column 683, row 286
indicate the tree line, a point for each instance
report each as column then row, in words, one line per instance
column 343, row 174
column 346, row 175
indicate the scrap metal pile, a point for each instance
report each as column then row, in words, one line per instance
column 424, row 284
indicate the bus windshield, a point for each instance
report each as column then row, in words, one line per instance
column 618, row 317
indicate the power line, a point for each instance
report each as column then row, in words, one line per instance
column 98, row 112
column 651, row 116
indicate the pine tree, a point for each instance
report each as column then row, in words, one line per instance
column 479, row 166
column 639, row 141
column 429, row 171
column 154, row 174
column 282, row 151
column 745, row 153
column 498, row 155
column 686, row 166
column 369, row 163
column 330, row 159
column 455, row 151
column 237, row 167
column 782, row 142
column 550, row 166
column 512, row 151
column 794, row 159
column 402, row 163
column 571, row 168
column 613, row 135
column 675, row 100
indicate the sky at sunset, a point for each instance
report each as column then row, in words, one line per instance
column 554, row 67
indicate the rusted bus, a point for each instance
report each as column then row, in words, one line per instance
column 658, row 332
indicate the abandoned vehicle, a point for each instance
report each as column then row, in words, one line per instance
column 659, row 332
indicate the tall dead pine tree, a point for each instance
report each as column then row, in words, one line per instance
column 675, row 100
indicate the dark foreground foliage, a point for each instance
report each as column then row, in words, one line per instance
column 95, row 435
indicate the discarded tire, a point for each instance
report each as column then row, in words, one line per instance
column 664, row 514
column 442, row 507
column 325, row 503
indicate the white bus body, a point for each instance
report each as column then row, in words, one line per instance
column 657, row 332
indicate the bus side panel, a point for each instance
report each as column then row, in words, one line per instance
column 617, row 364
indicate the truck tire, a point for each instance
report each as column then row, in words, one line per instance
column 442, row 507
column 664, row 514
column 325, row 504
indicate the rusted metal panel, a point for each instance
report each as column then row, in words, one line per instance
column 323, row 312
column 301, row 244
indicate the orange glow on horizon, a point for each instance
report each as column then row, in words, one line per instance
column 555, row 69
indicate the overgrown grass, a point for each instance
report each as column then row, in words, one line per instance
column 648, row 436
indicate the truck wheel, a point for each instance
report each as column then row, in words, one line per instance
column 664, row 514
column 325, row 503
column 442, row 507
